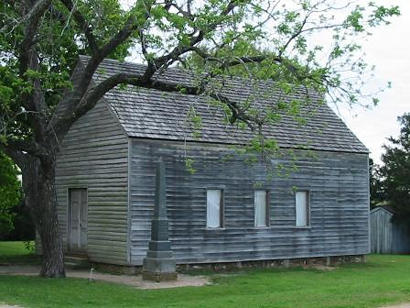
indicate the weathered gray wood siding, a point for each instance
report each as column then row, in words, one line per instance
column 94, row 156
column 339, row 205
column 388, row 236
column 381, row 231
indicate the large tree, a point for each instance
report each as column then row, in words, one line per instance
column 41, row 41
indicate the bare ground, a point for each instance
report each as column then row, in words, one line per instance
column 131, row 280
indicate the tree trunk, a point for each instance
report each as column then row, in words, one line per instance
column 40, row 194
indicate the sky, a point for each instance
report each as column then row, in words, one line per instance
column 389, row 50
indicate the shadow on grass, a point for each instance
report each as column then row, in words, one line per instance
column 30, row 259
column 16, row 253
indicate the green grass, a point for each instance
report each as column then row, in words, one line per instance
column 16, row 253
column 383, row 280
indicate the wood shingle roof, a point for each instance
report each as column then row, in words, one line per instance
column 148, row 113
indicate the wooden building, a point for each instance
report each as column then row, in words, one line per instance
column 388, row 235
column 227, row 210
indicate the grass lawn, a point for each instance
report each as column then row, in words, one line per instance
column 16, row 253
column 383, row 280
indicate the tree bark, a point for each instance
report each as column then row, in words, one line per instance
column 40, row 194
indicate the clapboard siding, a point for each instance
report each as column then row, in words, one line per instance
column 338, row 185
column 95, row 156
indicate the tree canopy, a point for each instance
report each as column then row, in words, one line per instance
column 258, row 39
column 309, row 44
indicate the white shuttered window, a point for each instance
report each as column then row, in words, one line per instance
column 302, row 208
column 214, row 208
column 261, row 208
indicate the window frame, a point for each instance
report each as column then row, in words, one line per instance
column 221, row 209
column 267, row 209
column 308, row 209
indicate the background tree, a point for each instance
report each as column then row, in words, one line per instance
column 395, row 172
column 15, row 219
column 377, row 195
column 10, row 193
column 41, row 40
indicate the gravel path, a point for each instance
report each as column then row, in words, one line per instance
column 131, row 280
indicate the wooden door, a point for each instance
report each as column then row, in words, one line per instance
column 77, row 220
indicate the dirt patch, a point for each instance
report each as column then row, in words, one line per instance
column 136, row 280
column 131, row 280
column 404, row 305
column 320, row 267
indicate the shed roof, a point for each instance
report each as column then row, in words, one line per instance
column 387, row 208
column 148, row 113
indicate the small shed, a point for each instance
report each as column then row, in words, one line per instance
column 387, row 235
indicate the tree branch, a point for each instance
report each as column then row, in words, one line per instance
column 16, row 155
column 82, row 82
column 35, row 101
column 237, row 112
column 237, row 61
column 182, row 48
column 294, row 35
column 32, row 19
column 30, row 147
column 187, row 14
column 96, row 93
column 83, row 99
column 84, row 25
